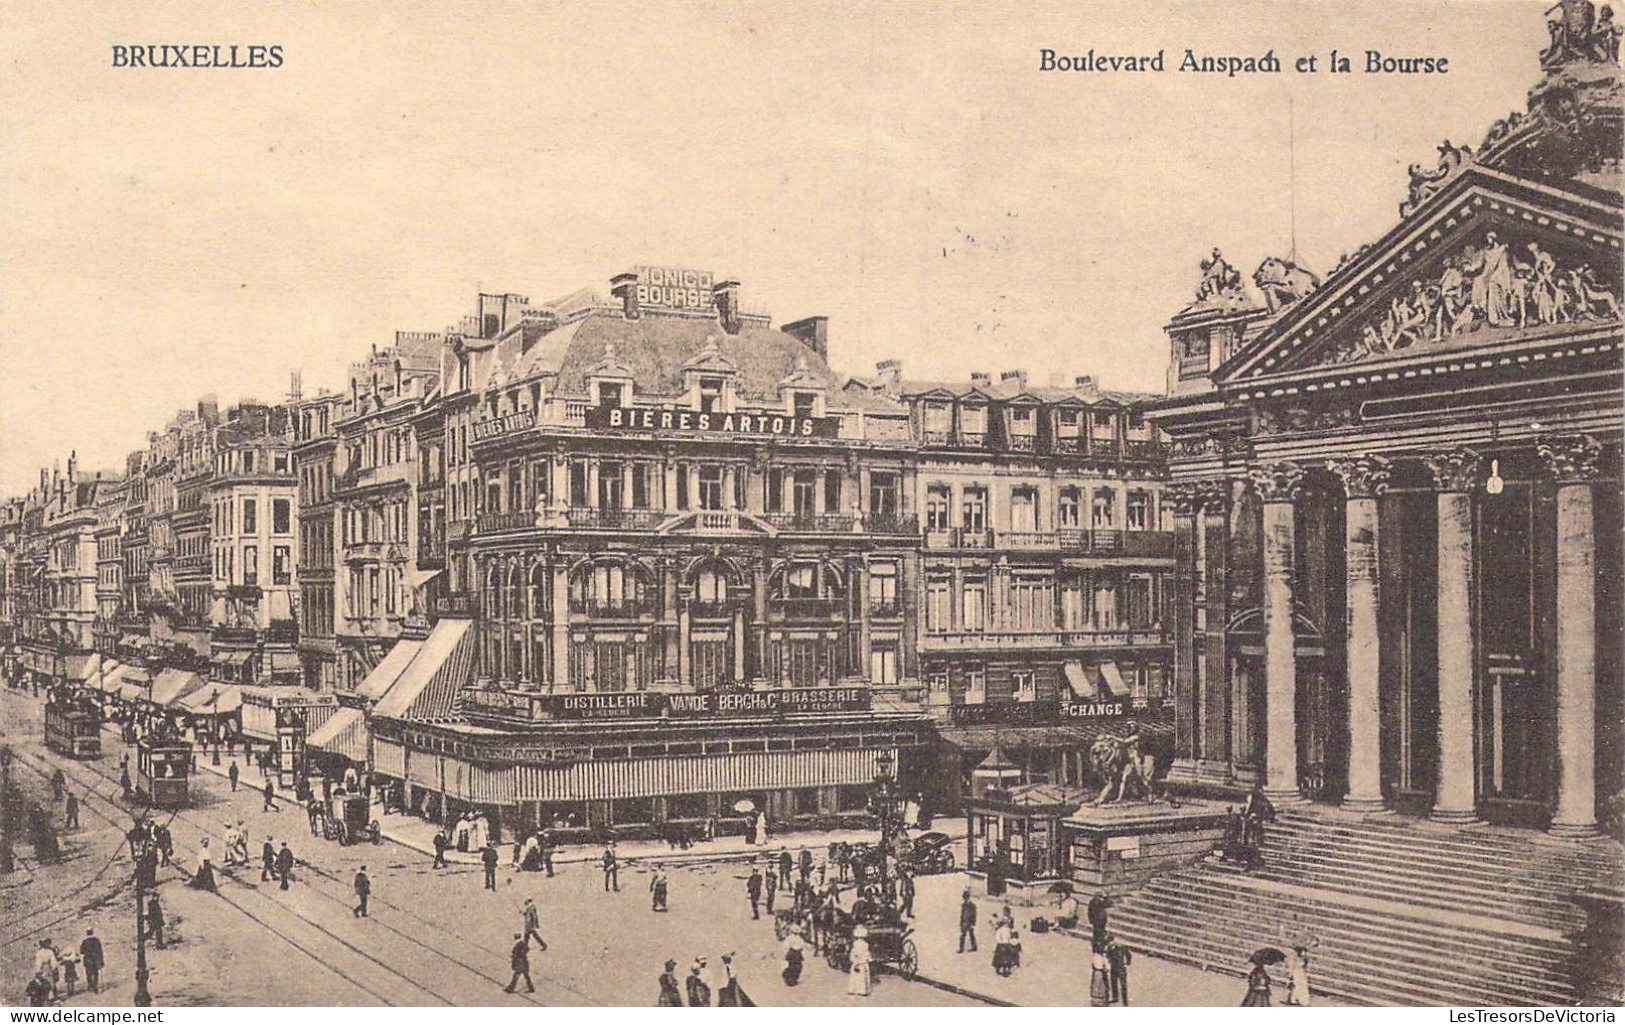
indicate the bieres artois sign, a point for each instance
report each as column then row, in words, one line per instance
column 688, row 421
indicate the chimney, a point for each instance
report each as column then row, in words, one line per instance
column 980, row 380
column 890, row 372
column 73, row 466
column 813, row 332
column 625, row 288
column 727, row 297
column 208, row 409
column 1018, row 376
column 1086, row 384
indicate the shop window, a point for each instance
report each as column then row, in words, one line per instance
column 688, row 807
column 806, row 802
column 632, row 811
column 852, row 798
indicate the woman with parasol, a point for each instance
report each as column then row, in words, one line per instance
column 1258, row 980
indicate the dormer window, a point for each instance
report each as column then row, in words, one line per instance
column 803, row 403
column 937, row 418
column 1067, row 421
column 711, row 394
column 609, row 395
column 973, row 420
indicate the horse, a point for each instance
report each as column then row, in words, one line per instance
column 1283, row 282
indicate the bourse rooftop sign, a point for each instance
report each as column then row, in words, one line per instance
column 676, row 288
column 784, row 425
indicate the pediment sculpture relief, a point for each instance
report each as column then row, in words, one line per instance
column 1283, row 282
column 1498, row 284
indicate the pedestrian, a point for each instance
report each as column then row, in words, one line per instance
column 772, row 881
column 519, row 959
column 547, row 851
column 761, row 828
column 786, row 866
column 124, row 779
column 267, row 861
column 232, row 774
column 1005, row 958
column 753, row 891
column 905, row 894
column 858, row 981
column 670, row 994
column 90, row 953
column 612, row 874
column 363, row 890
column 530, row 920
column 38, row 990
column 45, row 964
column 155, row 921
column 70, row 973
column 165, row 843
column 313, row 811
column 794, row 957
column 699, row 985
column 1118, row 957
column 488, row 857
column 284, row 865
column 1297, row 987
column 70, row 813
column 203, row 878
column 806, row 864
column 1100, row 979
column 732, row 994
column 1258, row 987
column 657, row 890
column 270, row 797
column 440, row 845
column 967, row 921
column 59, row 783
column 1099, row 905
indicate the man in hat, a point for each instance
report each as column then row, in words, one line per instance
column 612, row 873
column 531, row 921
column 270, row 797
column 267, row 861
column 363, row 890
column 155, row 921
column 967, row 921
column 519, row 960
column 488, row 857
column 786, row 866
column 70, row 812
column 90, row 952
column 753, row 891
column 284, row 864
column 1118, row 957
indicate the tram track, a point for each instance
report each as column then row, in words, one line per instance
column 343, row 898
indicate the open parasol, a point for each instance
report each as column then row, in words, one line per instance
column 744, row 806
column 1267, row 956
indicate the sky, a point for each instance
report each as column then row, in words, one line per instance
column 904, row 169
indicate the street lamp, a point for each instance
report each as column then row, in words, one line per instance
column 146, row 868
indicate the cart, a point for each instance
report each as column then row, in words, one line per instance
column 891, row 943
column 348, row 819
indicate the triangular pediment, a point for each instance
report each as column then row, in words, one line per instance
column 1488, row 258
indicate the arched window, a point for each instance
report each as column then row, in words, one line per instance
column 493, row 593
column 538, row 591
column 606, row 587
column 515, row 603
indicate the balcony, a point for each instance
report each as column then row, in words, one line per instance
column 875, row 523
column 282, row 631
column 807, row 608
column 1142, row 449
column 880, row 609
column 234, row 635
column 1023, row 443
column 1139, row 543
column 959, row 537
column 1069, row 445
column 937, row 439
column 810, row 523
column 499, row 522
column 616, row 519
column 971, row 439
column 613, row 609
column 715, row 609
column 454, row 605
column 1016, row 640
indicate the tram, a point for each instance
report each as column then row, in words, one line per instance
column 73, row 727
column 163, row 769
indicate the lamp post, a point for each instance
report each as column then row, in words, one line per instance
column 145, row 869
column 884, row 803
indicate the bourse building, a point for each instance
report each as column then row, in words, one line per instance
column 1396, row 491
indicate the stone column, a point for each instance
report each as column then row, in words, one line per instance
column 1278, row 487
column 1185, row 497
column 1573, row 461
column 1214, row 762
column 561, row 624
column 1455, row 796
column 1364, row 479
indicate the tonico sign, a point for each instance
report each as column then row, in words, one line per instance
column 675, row 288
column 687, row 421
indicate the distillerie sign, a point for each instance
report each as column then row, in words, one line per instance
column 717, row 704
column 675, row 288
column 688, row 421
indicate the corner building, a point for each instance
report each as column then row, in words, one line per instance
column 678, row 547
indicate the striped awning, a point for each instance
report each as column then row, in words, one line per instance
column 428, row 686
column 343, row 734
column 1113, row 680
column 80, row 667
column 662, row 777
column 171, row 685
column 128, row 691
column 97, row 681
column 386, row 672
column 213, row 699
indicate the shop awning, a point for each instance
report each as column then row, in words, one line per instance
column 80, row 667
column 1082, row 686
column 171, row 685
column 283, row 662
column 343, row 734
column 97, row 681
column 384, row 675
column 132, row 692
column 1113, row 680
column 213, row 699
column 231, row 658
column 428, row 687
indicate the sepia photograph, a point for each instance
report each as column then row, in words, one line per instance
column 812, row 504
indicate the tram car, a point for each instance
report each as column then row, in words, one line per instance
column 73, row 727
column 163, row 772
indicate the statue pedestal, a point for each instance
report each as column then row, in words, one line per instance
column 1114, row 848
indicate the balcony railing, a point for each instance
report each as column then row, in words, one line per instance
column 882, row 609
column 453, row 605
column 875, row 523
column 234, row 634
column 714, row 609
column 971, row 439
column 807, row 608
column 810, row 523
column 613, row 610
column 1023, row 442
column 937, row 439
column 1071, row 445
column 1141, row 449
column 1146, row 543
column 1046, row 639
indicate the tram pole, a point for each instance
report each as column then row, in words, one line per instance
column 8, row 862
column 142, row 997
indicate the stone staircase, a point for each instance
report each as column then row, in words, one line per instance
column 1404, row 912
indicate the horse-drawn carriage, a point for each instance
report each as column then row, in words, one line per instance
column 890, row 940
column 348, row 819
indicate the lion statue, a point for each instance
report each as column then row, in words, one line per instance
column 1126, row 772
column 1283, row 282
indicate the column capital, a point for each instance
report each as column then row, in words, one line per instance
column 1571, row 458
column 1217, row 493
column 1363, row 476
column 1277, row 482
column 1185, row 495
column 1455, row 469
